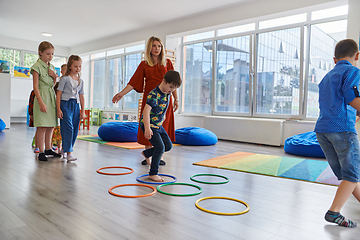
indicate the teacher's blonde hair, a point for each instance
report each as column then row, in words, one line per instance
column 148, row 55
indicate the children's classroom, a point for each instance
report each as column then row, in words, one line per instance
column 176, row 119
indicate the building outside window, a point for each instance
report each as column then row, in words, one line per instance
column 197, row 86
column 115, row 83
column 278, row 72
column 232, row 75
column 323, row 38
column 97, row 95
column 281, row 82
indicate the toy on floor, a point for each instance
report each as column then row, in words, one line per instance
column 164, row 175
column 179, row 194
column 105, row 173
column 195, row 136
column 304, row 144
column 132, row 196
column 209, row 174
column 221, row 213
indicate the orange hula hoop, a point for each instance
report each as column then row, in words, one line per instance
column 132, row 196
column 99, row 170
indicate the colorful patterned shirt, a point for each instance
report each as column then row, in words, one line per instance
column 159, row 102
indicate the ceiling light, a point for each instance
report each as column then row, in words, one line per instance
column 46, row 34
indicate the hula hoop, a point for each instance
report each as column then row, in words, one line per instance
column 220, row 213
column 208, row 174
column 177, row 194
column 132, row 196
column 99, row 170
column 165, row 175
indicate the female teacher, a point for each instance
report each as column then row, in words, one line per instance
column 152, row 71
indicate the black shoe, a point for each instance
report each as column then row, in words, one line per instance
column 42, row 157
column 162, row 162
column 50, row 152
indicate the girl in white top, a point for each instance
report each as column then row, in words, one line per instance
column 69, row 94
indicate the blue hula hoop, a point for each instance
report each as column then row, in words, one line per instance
column 165, row 175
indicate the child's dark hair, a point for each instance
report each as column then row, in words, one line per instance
column 173, row 77
column 346, row 48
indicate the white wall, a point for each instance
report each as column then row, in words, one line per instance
column 23, row 44
column 353, row 27
column 243, row 12
column 253, row 130
column 20, row 93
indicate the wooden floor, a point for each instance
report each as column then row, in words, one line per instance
column 60, row 200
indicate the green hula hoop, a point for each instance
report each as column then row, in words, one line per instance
column 177, row 194
column 209, row 174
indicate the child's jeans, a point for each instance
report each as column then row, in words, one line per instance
column 69, row 125
column 342, row 151
column 161, row 143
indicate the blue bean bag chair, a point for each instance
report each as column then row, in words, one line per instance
column 304, row 144
column 2, row 125
column 195, row 136
column 119, row 131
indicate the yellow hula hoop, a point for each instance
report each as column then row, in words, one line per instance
column 220, row 213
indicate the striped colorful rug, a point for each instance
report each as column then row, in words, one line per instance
column 97, row 139
column 287, row 167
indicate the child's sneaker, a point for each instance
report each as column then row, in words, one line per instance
column 42, row 157
column 36, row 150
column 50, row 152
column 54, row 148
column 70, row 157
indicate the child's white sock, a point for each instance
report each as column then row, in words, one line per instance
column 70, row 157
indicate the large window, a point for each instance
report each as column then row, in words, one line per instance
column 278, row 72
column 197, row 86
column 232, row 75
column 268, row 68
column 115, row 81
column 11, row 56
column 30, row 59
column 25, row 59
column 132, row 61
column 323, row 38
column 97, row 83
column 110, row 75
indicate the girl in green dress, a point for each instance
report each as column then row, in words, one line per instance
column 44, row 112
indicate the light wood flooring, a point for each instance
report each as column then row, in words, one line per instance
column 61, row 200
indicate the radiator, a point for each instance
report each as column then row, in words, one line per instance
column 251, row 130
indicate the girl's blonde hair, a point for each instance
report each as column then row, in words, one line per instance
column 43, row 46
column 148, row 56
column 72, row 59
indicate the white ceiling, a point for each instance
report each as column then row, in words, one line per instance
column 73, row 22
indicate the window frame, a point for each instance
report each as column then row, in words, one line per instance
column 304, row 55
column 301, row 77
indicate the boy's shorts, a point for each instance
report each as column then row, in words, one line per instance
column 342, row 151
